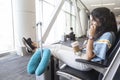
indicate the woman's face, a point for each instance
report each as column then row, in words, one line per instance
column 95, row 21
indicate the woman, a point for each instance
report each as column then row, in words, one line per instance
column 101, row 38
column 101, row 31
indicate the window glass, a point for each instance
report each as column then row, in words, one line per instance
column 50, row 1
column 63, row 22
column 6, row 27
column 66, row 6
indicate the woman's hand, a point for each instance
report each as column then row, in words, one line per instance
column 92, row 30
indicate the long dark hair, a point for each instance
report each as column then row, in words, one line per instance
column 104, row 16
column 114, row 23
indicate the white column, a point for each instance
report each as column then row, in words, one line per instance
column 84, row 21
column 24, row 21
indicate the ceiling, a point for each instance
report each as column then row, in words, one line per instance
column 111, row 4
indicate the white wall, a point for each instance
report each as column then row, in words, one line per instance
column 24, row 21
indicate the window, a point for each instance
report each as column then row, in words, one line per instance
column 65, row 19
column 69, row 16
column 6, row 27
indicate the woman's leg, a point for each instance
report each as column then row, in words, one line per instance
column 66, row 54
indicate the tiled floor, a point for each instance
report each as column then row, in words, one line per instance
column 13, row 67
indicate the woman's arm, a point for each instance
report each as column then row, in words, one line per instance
column 89, row 47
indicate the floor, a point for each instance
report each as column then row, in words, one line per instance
column 13, row 67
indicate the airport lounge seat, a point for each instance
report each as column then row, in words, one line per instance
column 99, row 70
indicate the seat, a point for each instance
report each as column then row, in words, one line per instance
column 99, row 70
column 72, row 36
column 73, row 74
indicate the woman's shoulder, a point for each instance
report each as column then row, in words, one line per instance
column 108, row 35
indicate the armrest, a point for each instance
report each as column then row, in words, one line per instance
column 91, row 63
column 94, row 65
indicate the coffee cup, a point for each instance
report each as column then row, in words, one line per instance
column 76, row 48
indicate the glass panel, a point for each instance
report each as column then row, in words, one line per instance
column 66, row 7
column 74, row 22
column 6, row 28
column 73, row 10
column 64, row 21
column 47, row 13
column 67, row 28
column 57, row 32
column 50, row 1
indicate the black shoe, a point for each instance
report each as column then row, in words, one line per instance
column 29, row 40
column 28, row 43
